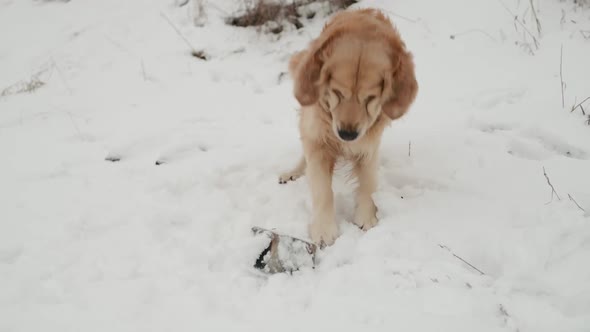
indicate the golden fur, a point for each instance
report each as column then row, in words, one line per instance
column 351, row 81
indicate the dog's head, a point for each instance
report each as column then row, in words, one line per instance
column 356, row 70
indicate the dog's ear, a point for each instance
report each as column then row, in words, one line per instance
column 400, row 85
column 295, row 61
column 306, row 70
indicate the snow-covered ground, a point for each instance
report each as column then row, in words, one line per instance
column 92, row 245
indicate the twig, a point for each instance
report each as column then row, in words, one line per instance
column 561, row 75
column 75, row 125
column 409, row 148
column 411, row 20
column 580, row 105
column 536, row 18
column 526, row 45
column 573, row 200
column 178, row 32
column 550, row 185
column 61, row 77
column 453, row 36
column 575, row 103
column 521, row 24
column 461, row 259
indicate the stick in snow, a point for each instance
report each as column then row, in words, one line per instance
column 197, row 54
column 550, row 185
column 521, row 24
column 455, row 35
column 573, row 200
column 461, row 259
column 580, row 105
column 536, row 18
column 561, row 75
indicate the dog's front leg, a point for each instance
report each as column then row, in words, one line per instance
column 295, row 173
column 323, row 229
column 366, row 211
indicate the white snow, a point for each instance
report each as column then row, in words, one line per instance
column 92, row 245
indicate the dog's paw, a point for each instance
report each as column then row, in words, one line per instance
column 323, row 233
column 289, row 176
column 366, row 216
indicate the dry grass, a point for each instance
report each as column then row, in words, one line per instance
column 261, row 12
column 25, row 86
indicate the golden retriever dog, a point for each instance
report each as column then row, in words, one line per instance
column 351, row 82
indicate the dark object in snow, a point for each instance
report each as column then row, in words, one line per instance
column 160, row 162
column 282, row 75
column 113, row 158
column 284, row 253
column 461, row 259
column 200, row 55
column 262, row 12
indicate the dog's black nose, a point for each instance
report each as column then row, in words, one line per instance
column 348, row 135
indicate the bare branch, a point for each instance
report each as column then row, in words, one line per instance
column 573, row 200
column 197, row 54
column 411, row 20
column 461, row 259
column 193, row 50
column 580, row 105
column 178, row 32
column 453, row 36
column 550, row 185
column 516, row 20
column 536, row 18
